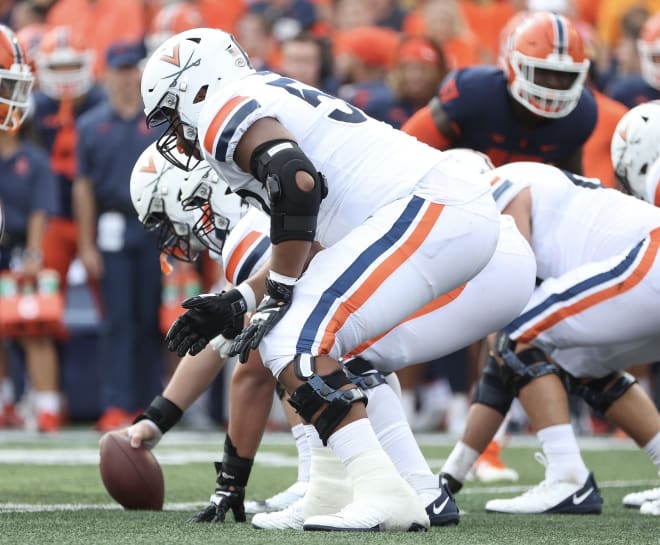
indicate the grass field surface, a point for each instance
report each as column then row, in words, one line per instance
column 51, row 493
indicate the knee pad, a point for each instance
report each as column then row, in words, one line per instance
column 319, row 391
column 362, row 374
column 492, row 390
column 601, row 393
column 521, row 368
column 293, row 211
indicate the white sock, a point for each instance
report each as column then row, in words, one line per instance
column 393, row 431
column 353, row 439
column 563, row 454
column 313, row 438
column 652, row 448
column 408, row 402
column 47, row 401
column 304, row 451
column 460, row 461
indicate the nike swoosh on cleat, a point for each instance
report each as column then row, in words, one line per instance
column 437, row 509
column 577, row 500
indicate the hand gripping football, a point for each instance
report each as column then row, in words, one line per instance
column 132, row 476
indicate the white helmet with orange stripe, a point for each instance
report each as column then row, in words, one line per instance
column 16, row 81
column 635, row 147
column 155, row 193
column 65, row 64
column 179, row 76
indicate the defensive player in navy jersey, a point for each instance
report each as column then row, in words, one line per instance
column 534, row 108
column 634, row 89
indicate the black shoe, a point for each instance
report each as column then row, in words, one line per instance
column 443, row 510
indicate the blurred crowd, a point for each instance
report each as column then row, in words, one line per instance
column 64, row 175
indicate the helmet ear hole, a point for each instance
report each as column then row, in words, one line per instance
column 201, row 94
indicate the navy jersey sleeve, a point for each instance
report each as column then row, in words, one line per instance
column 461, row 94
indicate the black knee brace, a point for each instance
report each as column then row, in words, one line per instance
column 601, row 393
column 492, row 390
column 521, row 368
column 362, row 374
column 318, row 391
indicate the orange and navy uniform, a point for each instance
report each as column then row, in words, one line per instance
column 631, row 90
column 55, row 128
column 478, row 104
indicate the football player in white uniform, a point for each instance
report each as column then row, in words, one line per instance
column 155, row 191
column 597, row 257
column 397, row 232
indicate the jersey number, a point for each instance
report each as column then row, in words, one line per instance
column 313, row 98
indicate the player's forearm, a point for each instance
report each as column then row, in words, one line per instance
column 192, row 376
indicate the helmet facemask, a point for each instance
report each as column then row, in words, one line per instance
column 177, row 240
column 15, row 87
column 541, row 100
column 169, row 141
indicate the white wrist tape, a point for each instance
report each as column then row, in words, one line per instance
column 282, row 279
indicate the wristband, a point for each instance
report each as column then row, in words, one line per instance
column 281, row 279
column 161, row 412
column 248, row 294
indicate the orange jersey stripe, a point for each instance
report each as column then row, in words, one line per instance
column 634, row 278
column 434, row 305
column 218, row 121
column 379, row 275
column 239, row 253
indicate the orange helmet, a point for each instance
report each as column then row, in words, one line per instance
column 506, row 33
column 64, row 64
column 16, row 81
column 648, row 46
column 545, row 43
column 30, row 37
column 171, row 20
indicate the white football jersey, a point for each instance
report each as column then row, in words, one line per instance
column 367, row 164
column 575, row 220
column 247, row 247
column 653, row 183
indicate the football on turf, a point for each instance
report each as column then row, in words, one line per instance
column 132, row 476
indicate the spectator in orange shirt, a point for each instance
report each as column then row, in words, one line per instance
column 122, row 20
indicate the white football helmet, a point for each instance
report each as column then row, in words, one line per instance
column 179, row 75
column 202, row 189
column 465, row 163
column 65, row 64
column 635, row 146
column 155, row 193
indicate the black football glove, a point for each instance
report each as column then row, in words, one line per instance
column 208, row 316
column 270, row 311
column 227, row 496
